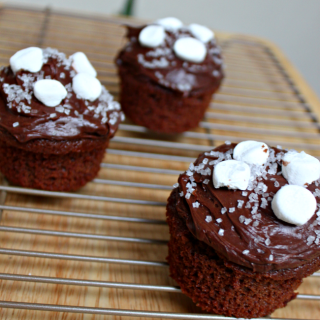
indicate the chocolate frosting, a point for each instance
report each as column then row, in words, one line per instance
column 163, row 67
column 272, row 244
column 73, row 119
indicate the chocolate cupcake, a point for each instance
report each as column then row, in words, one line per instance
column 242, row 238
column 168, row 74
column 56, row 120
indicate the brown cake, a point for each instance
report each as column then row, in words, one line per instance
column 57, row 147
column 163, row 91
column 228, row 250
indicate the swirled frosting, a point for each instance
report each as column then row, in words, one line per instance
column 163, row 67
column 26, row 118
column 240, row 225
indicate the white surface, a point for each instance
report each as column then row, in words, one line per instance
column 294, row 25
column 252, row 152
column 82, row 64
column 300, row 168
column 294, row 204
column 190, row 49
column 170, row 23
column 29, row 59
column 86, row 86
column 232, row 174
column 50, row 92
column 152, row 36
column 202, row 33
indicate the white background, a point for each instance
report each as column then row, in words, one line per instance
column 294, row 25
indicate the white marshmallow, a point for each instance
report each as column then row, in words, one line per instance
column 252, row 152
column 202, row 33
column 152, row 36
column 29, row 59
column 300, row 168
column 190, row 49
column 170, row 23
column 86, row 86
column 82, row 64
column 49, row 92
column 294, row 204
column 232, row 174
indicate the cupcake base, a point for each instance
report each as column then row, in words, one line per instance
column 55, row 172
column 222, row 287
column 160, row 109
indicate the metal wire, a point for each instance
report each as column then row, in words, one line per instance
column 115, row 312
column 55, row 194
column 80, row 235
column 75, row 257
column 82, row 215
column 243, row 103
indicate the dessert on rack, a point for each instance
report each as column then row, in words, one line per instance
column 56, row 120
column 168, row 73
column 245, row 228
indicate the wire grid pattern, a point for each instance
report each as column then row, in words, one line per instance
column 105, row 244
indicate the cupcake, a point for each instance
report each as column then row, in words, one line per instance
column 245, row 228
column 56, row 120
column 168, row 73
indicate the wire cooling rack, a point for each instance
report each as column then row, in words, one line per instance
column 101, row 251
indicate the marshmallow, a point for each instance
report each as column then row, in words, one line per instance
column 294, row 204
column 300, row 168
column 170, row 23
column 232, row 174
column 252, row 152
column 29, row 59
column 202, row 33
column 49, row 92
column 86, row 86
column 152, row 36
column 190, row 49
column 82, row 64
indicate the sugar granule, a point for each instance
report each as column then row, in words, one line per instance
column 223, row 210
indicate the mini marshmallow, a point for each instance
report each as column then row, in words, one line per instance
column 170, row 23
column 82, row 64
column 300, row 168
column 86, row 86
column 29, row 59
column 202, row 33
column 190, row 49
column 232, row 174
column 49, row 92
column 152, row 36
column 294, row 204
column 252, row 152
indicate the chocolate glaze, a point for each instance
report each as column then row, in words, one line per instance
column 288, row 243
column 85, row 119
column 174, row 73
